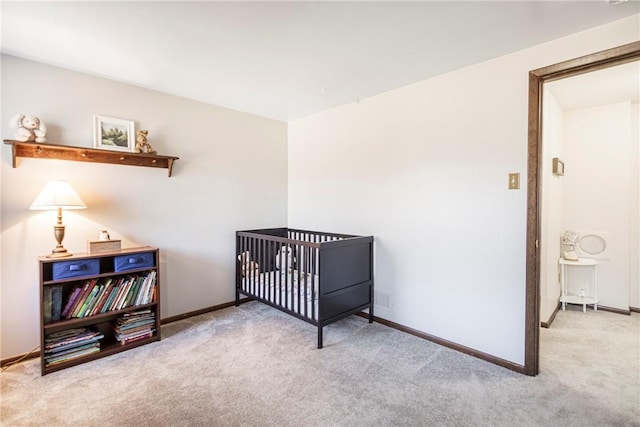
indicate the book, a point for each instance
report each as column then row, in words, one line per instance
column 61, row 351
column 149, row 298
column 56, row 302
column 133, row 292
column 87, row 300
column 141, row 292
column 125, row 291
column 86, row 288
column 72, row 298
column 152, row 284
column 152, row 292
column 112, row 295
column 136, row 296
column 103, row 297
column 124, row 286
column 99, row 297
column 128, row 340
column 135, row 328
column 127, row 297
column 136, row 313
column 68, row 335
column 93, row 300
column 71, row 343
column 57, row 336
column 50, row 361
column 46, row 304
column 134, row 324
column 77, row 300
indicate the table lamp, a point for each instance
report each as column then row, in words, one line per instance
column 572, row 239
column 58, row 195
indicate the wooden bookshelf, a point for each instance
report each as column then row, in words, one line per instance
column 66, row 274
column 83, row 154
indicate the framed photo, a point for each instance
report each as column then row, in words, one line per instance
column 110, row 133
column 558, row 167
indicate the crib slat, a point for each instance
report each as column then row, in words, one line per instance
column 305, row 253
column 249, row 275
column 276, row 274
column 298, row 273
column 254, row 250
column 314, row 315
column 243, row 248
column 286, row 276
column 259, row 283
column 268, row 269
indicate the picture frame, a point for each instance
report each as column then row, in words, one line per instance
column 111, row 133
column 558, row 167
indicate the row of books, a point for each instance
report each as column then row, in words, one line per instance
column 135, row 326
column 98, row 296
column 64, row 346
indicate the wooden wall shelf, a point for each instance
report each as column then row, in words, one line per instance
column 84, row 154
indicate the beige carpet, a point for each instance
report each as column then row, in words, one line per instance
column 253, row 365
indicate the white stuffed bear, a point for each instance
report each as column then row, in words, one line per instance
column 28, row 128
column 249, row 267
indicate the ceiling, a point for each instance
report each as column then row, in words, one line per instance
column 286, row 60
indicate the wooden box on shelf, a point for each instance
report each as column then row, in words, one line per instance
column 101, row 246
column 95, row 305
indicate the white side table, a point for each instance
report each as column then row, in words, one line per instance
column 565, row 298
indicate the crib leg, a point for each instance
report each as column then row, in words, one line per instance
column 371, row 313
column 319, row 337
column 237, row 298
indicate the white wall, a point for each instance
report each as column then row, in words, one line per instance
column 424, row 169
column 232, row 174
column 601, row 195
column 597, row 192
column 551, row 216
column 634, row 216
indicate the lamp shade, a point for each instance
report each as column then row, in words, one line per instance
column 58, row 194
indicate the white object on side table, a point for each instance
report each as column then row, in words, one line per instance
column 583, row 299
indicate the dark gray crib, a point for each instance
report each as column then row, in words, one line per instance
column 317, row 277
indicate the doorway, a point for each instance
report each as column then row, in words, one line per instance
column 537, row 78
column 590, row 126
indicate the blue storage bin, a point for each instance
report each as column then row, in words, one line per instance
column 133, row 261
column 81, row 267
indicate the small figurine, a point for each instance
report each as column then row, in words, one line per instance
column 142, row 144
column 28, row 128
column 104, row 235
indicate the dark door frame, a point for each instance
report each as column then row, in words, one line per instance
column 584, row 64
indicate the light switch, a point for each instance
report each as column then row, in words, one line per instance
column 514, row 181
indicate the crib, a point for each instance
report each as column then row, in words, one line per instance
column 315, row 276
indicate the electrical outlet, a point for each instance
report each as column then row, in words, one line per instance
column 514, row 181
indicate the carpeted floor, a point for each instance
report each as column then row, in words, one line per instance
column 254, row 365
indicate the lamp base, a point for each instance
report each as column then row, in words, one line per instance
column 58, row 231
column 58, row 255
column 59, row 252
